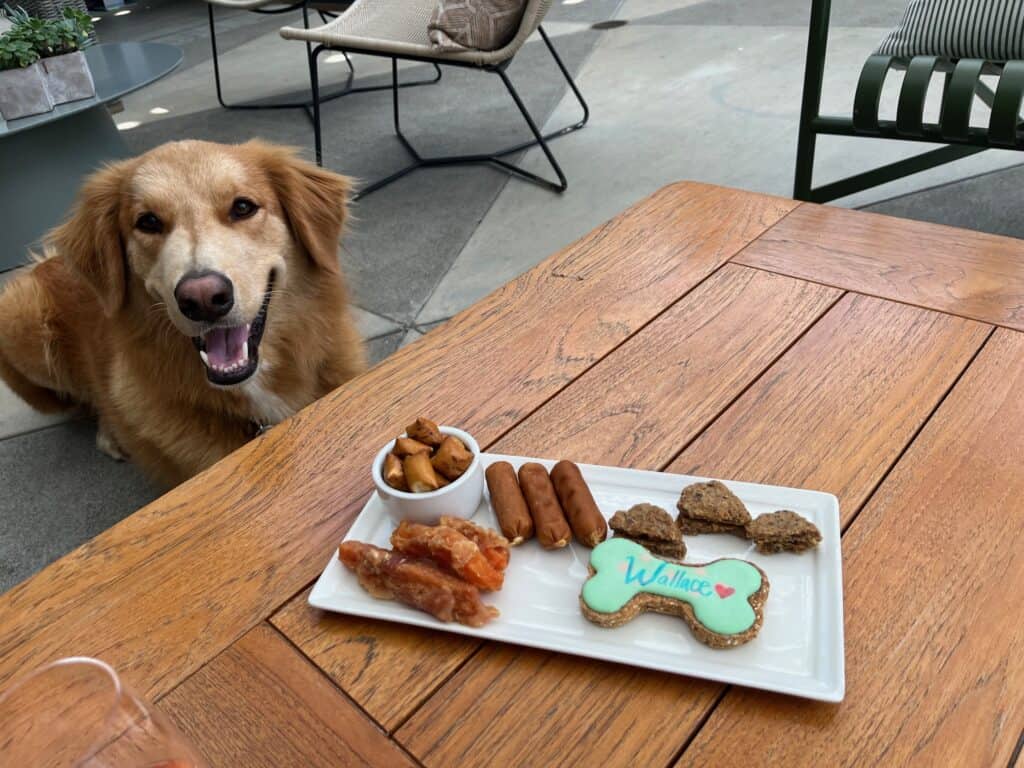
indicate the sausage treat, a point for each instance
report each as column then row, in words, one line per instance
column 588, row 524
column 508, row 502
column 548, row 520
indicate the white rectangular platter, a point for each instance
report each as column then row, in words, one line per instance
column 799, row 650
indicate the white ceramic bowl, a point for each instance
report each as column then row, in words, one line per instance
column 457, row 499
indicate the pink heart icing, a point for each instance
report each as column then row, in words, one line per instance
column 723, row 591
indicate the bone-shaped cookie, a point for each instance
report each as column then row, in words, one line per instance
column 721, row 601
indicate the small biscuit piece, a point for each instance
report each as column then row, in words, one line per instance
column 587, row 522
column 690, row 527
column 508, row 502
column 646, row 520
column 425, row 431
column 713, row 503
column 393, row 473
column 783, row 531
column 452, row 458
column 406, row 446
column 419, row 474
column 548, row 519
column 722, row 601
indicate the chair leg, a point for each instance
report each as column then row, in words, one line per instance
column 495, row 158
column 314, row 88
column 814, row 72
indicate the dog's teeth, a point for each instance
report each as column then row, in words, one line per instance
column 205, row 358
column 245, row 350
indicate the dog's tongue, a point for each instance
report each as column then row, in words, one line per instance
column 224, row 345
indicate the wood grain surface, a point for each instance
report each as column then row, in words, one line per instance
column 167, row 589
column 837, row 410
column 934, row 578
column 900, row 362
column 260, row 703
column 632, row 409
column 965, row 273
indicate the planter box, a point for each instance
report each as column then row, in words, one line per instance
column 23, row 92
column 68, row 77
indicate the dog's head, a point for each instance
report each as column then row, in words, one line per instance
column 210, row 232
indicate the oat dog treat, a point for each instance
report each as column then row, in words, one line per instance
column 783, row 531
column 587, row 522
column 508, row 502
column 425, row 431
column 652, row 528
column 548, row 520
column 711, row 508
column 721, row 601
column 406, row 446
column 393, row 473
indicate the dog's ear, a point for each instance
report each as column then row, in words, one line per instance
column 314, row 200
column 90, row 239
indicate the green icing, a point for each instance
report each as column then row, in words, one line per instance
column 718, row 591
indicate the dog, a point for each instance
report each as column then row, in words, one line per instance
column 192, row 298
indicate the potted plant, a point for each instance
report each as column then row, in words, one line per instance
column 23, row 89
column 59, row 44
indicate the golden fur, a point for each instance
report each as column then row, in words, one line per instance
column 95, row 323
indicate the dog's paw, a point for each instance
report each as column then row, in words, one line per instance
column 109, row 446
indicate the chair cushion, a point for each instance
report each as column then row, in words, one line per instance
column 959, row 29
column 483, row 25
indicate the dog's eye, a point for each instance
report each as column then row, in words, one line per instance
column 149, row 222
column 243, row 208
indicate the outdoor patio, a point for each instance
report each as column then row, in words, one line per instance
column 707, row 91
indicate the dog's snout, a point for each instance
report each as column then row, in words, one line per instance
column 205, row 296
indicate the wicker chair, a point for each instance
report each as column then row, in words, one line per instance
column 327, row 11
column 399, row 31
column 50, row 9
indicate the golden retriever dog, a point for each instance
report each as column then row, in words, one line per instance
column 192, row 298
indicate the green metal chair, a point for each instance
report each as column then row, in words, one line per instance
column 962, row 84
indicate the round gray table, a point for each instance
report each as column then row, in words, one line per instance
column 43, row 158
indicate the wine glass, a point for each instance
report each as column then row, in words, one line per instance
column 78, row 713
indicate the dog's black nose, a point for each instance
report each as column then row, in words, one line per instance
column 204, row 296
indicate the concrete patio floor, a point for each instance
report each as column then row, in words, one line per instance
column 679, row 89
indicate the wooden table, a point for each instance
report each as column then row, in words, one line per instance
column 705, row 331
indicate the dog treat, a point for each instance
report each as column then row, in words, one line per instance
column 449, row 549
column 419, row 474
column 406, row 446
column 652, row 528
column 689, row 527
column 508, row 502
column 452, row 458
column 587, row 522
column 394, row 475
column 425, row 431
column 712, row 502
column 492, row 545
column 548, row 519
column 418, row 583
column 783, row 531
column 721, row 601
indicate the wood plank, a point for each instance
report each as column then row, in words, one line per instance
column 952, row 270
column 860, row 340
column 630, row 409
column 260, row 703
column 803, row 424
column 167, row 589
column 934, row 578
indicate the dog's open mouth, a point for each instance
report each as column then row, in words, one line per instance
column 231, row 354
